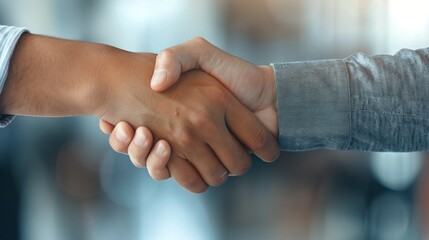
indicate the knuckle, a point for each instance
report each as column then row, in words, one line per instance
column 200, row 40
column 183, row 134
column 260, row 139
column 145, row 133
column 218, row 95
column 194, row 184
column 220, row 99
column 159, row 174
column 218, row 178
column 158, row 169
column 169, row 53
column 186, row 138
column 242, row 168
column 201, row 120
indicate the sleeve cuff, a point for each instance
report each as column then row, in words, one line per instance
column 9, row 37
column 5, row 120
column 313, row 102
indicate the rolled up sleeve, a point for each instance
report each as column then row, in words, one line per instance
column 313, row 105
column 366, row 103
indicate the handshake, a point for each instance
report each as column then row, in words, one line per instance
column 211, row 109
column 193, row 112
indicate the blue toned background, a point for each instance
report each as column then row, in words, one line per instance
column 59, row 179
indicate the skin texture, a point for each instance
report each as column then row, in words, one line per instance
column 52, row 77
column 253, row 85
column 207, row 129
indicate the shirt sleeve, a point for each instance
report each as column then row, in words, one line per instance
column 9, row 36
column 365, row 103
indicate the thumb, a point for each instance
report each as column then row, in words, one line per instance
column 168, row 69
column 174, row 61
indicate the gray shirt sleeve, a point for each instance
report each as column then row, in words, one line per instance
column 9, row 36
column 366, row 103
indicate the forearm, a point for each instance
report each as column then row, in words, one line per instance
column 360, row 103
column 53, row 77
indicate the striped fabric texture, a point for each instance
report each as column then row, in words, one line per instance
column 9, row 36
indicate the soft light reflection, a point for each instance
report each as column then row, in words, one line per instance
column 177, row 214
column 345, row 212
column 278, row 7
column 411, row 15
column 390, row 218
column 145, row 11
column 408, row 24
column 396, row 170
column 74, row 174
column 125, row 184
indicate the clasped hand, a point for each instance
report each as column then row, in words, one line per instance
column 201, row 124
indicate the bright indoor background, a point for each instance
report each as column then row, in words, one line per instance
column 59, row 179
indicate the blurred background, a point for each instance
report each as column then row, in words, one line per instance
column 59, row 179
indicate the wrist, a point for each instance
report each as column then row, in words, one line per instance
column 121, row 75
column 98, row 82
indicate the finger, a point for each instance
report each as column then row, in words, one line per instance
column 106, row 127
column 172, row 62
column 251, row 132
column 140, row 147
column 158, row 159
column 121, row 137
column 208, row 165
column 185, row 174
column 232, row 154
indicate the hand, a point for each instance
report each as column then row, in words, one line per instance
column 198, row 117
column 138, row 145
column 253, row 85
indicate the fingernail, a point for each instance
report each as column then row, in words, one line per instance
column 140, row 138
column 121, row 135
column 159, row 77
column 160, row 149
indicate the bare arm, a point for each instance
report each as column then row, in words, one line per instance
column 207, row 127
column 53, row 77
